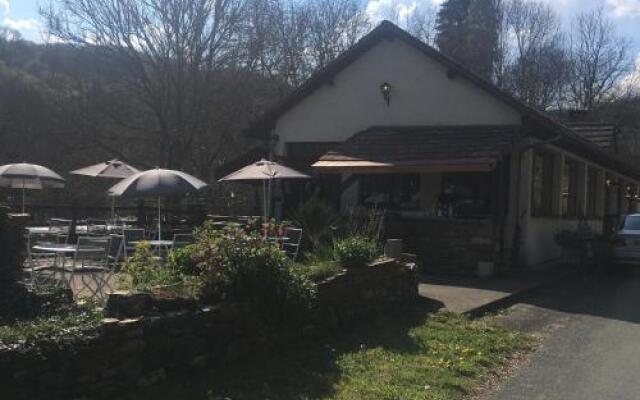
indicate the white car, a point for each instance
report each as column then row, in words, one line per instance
column 626, row 247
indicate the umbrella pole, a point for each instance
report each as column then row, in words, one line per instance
column 269, row 205
column 159, row 222
column 113, row 208
column 23, row 196
column 264, row 200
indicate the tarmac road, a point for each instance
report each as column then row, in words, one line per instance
column 593, row 349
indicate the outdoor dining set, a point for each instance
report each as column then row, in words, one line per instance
column 63, row 250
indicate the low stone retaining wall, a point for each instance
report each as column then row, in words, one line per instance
column 128, row 352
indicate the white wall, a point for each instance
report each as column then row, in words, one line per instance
column 421, row 94
column 540, row 247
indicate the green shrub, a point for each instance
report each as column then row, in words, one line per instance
column 356, row 251
column 237, row 266
column 318, row 221
column 320, row 272
column 67, row 323
column 144, row 271
column 319, row 264
column 181, row 260
column 368, row 222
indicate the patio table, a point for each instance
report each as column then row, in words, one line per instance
column 158, row 244
column 62, row 249
column 45, row 229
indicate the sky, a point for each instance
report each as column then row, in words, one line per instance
column 22, row 15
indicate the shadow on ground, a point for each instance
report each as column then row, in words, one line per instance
column 303, row 370
column 612, row 293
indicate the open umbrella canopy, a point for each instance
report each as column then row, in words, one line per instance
column 264, row 170
column 29, row 176
column 156, row 183
column 113, row 169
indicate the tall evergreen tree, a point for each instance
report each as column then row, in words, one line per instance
column 468, row 31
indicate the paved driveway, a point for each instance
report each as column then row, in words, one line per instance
column 593, row 352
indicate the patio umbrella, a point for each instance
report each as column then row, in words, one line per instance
column 265, row 171
column 29, row 176
column 113, row 169
column 157, row 183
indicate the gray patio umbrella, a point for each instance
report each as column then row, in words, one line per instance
column 29, row 176
column 113, row 169
column 265, row 171
column 157, row 183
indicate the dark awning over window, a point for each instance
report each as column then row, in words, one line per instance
column 421, row 149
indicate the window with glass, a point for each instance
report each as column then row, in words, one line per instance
column 469, row 193
column 593, row 187
column 390, row 191
column 542, row 184
column 569, row 188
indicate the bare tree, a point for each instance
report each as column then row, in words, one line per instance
column 419, row 19
column 292, row 39
column 599, row 59
column 536, row 69
column 334, row 26
column 172, row 56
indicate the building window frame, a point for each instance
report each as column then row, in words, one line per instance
column 569, row 204
column 593, row 188
column 543, row 167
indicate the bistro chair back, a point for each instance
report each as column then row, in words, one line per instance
column 116, row 250
column 61, row 227
column 291, row 242
column 39, row 260
column 92, row 252
column 182, row 239
column 131, row 236
column 96, row 225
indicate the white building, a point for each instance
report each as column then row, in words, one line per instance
column 466, row 172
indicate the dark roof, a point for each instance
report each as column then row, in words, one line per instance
column 426, row 144
column 602, row 134
column 541, row 125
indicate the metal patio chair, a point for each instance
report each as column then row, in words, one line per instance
column 291, row 242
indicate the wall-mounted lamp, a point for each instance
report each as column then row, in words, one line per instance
column 385, row 89
column 610, row 182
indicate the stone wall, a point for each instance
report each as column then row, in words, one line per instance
column 128, row 352
column 455, row 245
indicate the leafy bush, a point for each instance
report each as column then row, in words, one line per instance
column 356, row 251
column 320, row 272
column 144, row 271
column 181, row 260
column 74, row 321
column 240, row 267
column 318, row 221
column 365, row 222
column 319, row 264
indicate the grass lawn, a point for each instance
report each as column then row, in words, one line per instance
column 414, row 355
